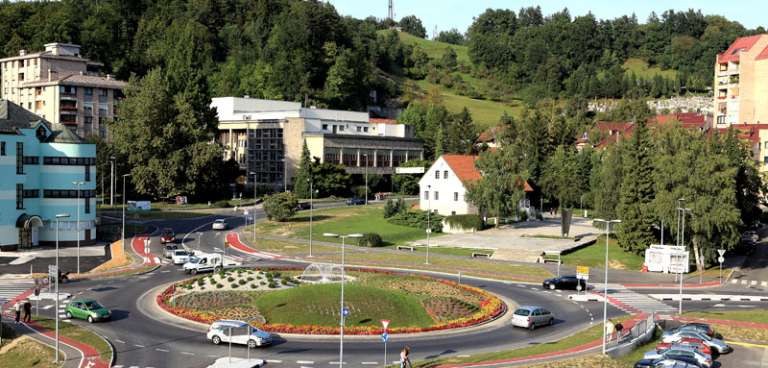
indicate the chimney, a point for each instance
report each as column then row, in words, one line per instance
column 22, row 52
column 110, row 77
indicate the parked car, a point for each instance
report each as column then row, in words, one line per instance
column 679, row 351
column 227, row 362
column 182, row 256
column 702, row 327
column 169, row 249
column 678, row 362
column 689, row 341
column 678, row 334
column 355, row 201
column 87, row 309
column 531, row 316
column 240, row 333
column 167, row 236
column 565, row 282
column 219, row 224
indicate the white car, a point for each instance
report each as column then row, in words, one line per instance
column 531, row 316
column 219, row 224
column 241, row 333
column 181, row 256
column 227, row 362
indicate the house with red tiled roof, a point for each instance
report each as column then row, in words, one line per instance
column 443, row 188
column 756, row 138
column 741, row 82
column 607, row 133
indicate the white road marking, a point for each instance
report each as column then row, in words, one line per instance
column 66, row 320
column 187, row 353
column 369, row 363
column 48, row 307
column 138, row 346
column 120, row 341
column 163, row 350
column 273, row 361
column 165, row 271
column 464, row 356
column 336, row 363
column 305, row 362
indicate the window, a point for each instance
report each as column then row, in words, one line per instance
column 21, row 76
column 21, row 63
column 19, row 158
column 455, row 196
column 437, row 174
column 453, row 213
column 341, row 128
column 445, row 174
column 31, row 160
column 38, row 91
column 426, row 194
column 31, row 193
column 87, row 173
column 359, row 129
column 2, row 148
column 437, row 195
column 87, row 205
column 325, row 126
column 19, row 196
column 365, row 130
column 88, row 91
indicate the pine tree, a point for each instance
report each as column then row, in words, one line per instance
column 637, row 191
column 303, row 175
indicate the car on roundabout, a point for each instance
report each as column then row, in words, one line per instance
column 182, row 256
column 529, row 317
column 167, row 236
column 169, row 249
column 355, row 201
column 237, row 332
column 219, row 224
column 87, row 309
column 565, row 283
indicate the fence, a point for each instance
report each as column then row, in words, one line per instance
column 640, row 333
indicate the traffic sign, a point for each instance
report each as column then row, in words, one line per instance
column 385, row 324
column 429, row 231
column 384, row 337
column 720, row 259
column 721, row 252
column 582, row 272
column 345, row 311
column 52, row 271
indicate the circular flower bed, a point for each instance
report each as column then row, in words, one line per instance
column 413, row 303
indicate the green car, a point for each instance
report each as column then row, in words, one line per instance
column 87, row 309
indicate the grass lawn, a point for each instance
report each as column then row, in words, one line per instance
column 81, row 334
column 435, row 49
column 27, row 353
column 485, row 113
column 594, row 256
column 367, row 306
column 453, row 251
column 641, row 69
column 744, row 315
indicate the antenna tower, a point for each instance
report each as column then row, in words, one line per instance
column 391, row 12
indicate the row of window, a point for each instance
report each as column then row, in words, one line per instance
column 437, row 174
column 22, row 193
column 74, row 161
column 340, row 128
column 68, row 193
column 437, row 195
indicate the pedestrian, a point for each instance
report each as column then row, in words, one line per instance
column 27, row 311
column 609, row 329
column 17, row 308
column 405, row 359
column 619, row 327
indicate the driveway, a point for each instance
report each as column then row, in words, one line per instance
column 524, row 241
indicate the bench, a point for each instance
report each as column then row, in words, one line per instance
column 406, row 247
column 476, row 254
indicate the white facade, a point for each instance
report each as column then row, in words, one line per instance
column 443, row 192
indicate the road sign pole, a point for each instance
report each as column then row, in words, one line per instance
column 385, row 353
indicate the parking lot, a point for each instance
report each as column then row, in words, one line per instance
column 745, row 357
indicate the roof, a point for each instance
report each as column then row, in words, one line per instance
column 687, row 120
column 62, row 134
column 738, row 46
column 747, row 132
column 14, row 117
column 82, row 80
column 490, row 134
column 382, row 121
column 463, row 166
column 763, row 54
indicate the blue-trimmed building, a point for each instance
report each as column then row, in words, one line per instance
column 42, row 167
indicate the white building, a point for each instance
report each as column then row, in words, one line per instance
column 443, row 187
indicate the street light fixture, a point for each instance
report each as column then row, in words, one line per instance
column 682, row 211
column 58, row 217
column 311, row 211
column 605, row 280
column 429, row 224
column 78, row 184
column 254, row 205
column 124, row 195
column 366, row 178
column 341, row 306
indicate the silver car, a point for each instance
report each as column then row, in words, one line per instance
column 531, row 316
column 672, row 363
column 705, row 360
column 715, row 344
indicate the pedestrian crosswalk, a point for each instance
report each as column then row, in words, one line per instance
column 639, row 302
column 9, row 289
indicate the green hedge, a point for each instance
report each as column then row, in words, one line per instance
column 418, row 220
column 465, row 222
column 370, row 240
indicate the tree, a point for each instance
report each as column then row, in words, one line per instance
column 606, row 180
column 412, row 25
column 409, row 183
column 330, row 179
column 449, row 59
column 280, row 206
column 500, row 189
column 303, row 174
column 452, row 36
column 635, row 233
column 461, row 133
column 561, row 170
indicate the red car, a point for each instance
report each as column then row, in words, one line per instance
column 167, row 236
column 689, row 341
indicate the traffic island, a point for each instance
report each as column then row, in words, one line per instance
column 277, row 301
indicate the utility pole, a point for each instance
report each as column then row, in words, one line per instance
column 391, row 11
column 112, row 181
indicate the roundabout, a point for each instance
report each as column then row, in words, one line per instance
column 278, row 301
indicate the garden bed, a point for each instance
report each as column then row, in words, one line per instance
column 411, row 303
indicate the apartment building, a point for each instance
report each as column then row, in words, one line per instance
column 741, row 82
column 266, row 137
column 47, row 170
column 63, row 87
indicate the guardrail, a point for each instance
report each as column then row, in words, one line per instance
column 640, row 333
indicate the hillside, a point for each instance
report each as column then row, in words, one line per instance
column 435, row 49
column 641, row 69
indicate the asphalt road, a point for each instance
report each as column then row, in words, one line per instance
column 141, row 341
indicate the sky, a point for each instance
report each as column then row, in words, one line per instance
column 447, row 14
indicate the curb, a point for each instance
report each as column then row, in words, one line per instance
column 708, row 284
column 113, row 356
column 710, row 297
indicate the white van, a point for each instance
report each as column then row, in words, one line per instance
column 206, row 262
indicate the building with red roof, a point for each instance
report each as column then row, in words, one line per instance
column 756, row 138
column 741, row 82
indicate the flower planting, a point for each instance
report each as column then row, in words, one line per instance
column 412, row 303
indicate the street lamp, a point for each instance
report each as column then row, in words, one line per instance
column 341, row 310
column 255, row 194
column 77, row 185
column 58, row 217
column 112, row 181
column 366, row 178
column 429, row 224
column 124, row 195
column 311, row 211
column 682, row 211
column 605, row 280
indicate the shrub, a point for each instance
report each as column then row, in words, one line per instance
column 370, row 240
column 201, row 282
column 272, row 285
column 262, row 283
column 286, row 280
column 393, row 207
column 234, row 285
column 418, row 219
column 241, row 282
column 219, row 286
column 221, row 204
column 253, row 286
column 280, row 206
column 250, row 279
column 465, row 222
column 230, row 279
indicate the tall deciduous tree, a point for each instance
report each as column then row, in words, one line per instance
column 500, row 190
column 303, row 175
column 413, row 25
column 636, row 230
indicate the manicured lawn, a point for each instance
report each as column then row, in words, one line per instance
column 27, row 353
column 594, row 256
column 462, row 252
column 78, row 333
column 319, row 305
column 748, row 315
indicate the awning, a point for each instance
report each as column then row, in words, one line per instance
column 27, row 221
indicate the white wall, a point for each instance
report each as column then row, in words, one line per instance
column 445, row 204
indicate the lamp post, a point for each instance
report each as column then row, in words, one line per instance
column 429, row 224
column 77, row 185
column 341, row 306
column 366, row 178
column 58, row 217
column 254, row 205
column 605, row 280
column 311, row 212
column 124, row 195
column 682, row 211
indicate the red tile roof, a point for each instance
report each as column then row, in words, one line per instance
column 463, row 167
column 739, row 45
column 382, row 121
column 489, row 135
column 763, row 54
column 747, row 132
column 687, row 120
